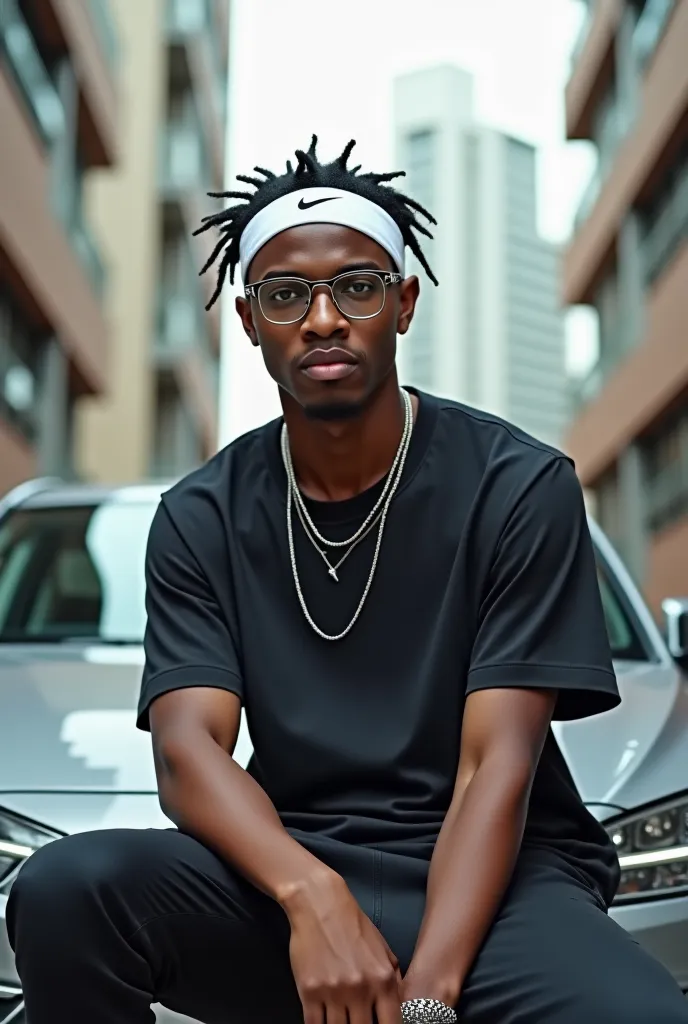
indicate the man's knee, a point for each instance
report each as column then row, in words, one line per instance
column 657, row 999
column 67, row 878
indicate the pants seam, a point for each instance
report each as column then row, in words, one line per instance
column 182, row 913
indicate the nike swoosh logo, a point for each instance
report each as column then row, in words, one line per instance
column 303, row 205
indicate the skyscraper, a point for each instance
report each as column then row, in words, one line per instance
column 491, row 335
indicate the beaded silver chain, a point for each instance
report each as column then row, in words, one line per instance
column 294, row 497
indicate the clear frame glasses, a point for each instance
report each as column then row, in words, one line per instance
column 358, row 295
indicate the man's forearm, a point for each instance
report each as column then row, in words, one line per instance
column 205, row 793
column 470, row 870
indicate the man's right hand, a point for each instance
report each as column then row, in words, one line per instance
column 342, row 965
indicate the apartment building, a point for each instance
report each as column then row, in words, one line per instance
column 628, row 258
column 59, row 113
column 159, row 417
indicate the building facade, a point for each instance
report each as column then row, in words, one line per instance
column 628, row 258
column 159, row 416
column 59, row 112
column 492, row 334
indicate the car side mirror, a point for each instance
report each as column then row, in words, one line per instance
column 676, row 622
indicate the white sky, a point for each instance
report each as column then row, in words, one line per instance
column 304, row 66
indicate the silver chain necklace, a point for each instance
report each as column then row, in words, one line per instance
column 408, row 408
column 333, row 569
column 293, row 495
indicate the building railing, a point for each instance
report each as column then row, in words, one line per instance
column 181, row 319
column 29, row 72
column 667, row 496
column 649, row 29
column 668, row 232
column 183, row 160
column 89, row 254
column 105, row 30
column 588, row 198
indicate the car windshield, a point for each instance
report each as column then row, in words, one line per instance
column 74, row 573
column 624, row 637
column 77, row 573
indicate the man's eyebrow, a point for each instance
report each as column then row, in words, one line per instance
column 345, row 269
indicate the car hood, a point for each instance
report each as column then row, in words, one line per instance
column 637, row 753
column 71, row 756
column 70, row 753
column 69, row 726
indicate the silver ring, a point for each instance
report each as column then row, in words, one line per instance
column 427, row 1011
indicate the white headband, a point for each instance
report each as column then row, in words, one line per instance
column 321, row 206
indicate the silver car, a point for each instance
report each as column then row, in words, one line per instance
column 71, row 621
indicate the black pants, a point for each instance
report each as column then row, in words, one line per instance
column 104, row 924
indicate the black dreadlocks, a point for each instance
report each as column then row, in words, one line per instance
column 309, row 173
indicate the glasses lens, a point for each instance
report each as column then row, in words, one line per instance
column 359, row 295
column 283, row 301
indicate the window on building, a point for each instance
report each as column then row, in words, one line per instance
column 665, row 218
column 176, row 445
column 20, row 47
column 653, row 18
column 608, row 506
column 19, row 354
column 666, row 469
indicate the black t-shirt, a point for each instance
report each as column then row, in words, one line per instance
column 486, row 578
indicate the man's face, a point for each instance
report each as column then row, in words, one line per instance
column 317, row 252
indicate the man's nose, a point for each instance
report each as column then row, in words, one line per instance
column 323, row 318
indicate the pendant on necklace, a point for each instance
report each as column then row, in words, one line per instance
column 333, row 573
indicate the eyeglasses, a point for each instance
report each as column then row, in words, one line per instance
column 358, row 295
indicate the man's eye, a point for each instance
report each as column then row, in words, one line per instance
column 283, row 295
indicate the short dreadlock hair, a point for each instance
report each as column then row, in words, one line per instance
column 309, row 173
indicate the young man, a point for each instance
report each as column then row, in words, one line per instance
column 401, row 592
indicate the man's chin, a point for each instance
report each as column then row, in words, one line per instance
column 333, row 410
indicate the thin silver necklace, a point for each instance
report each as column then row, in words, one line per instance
column 390, row 490
column 333, row 569
column 286, row 454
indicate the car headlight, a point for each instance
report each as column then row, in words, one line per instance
column 18, row 840
column 653, row 852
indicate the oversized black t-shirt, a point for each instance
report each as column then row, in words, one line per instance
column 486, row 579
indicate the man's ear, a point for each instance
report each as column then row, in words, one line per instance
column 409, row 291
column 245, row 314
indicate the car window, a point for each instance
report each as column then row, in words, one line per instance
column 624, row 637
column 74, row 572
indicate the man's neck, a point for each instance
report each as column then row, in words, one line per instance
column 336, row 460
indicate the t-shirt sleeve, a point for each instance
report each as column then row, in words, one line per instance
column 541, row 622
column 187, row 640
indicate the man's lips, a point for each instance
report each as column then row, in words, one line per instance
column 328, row 364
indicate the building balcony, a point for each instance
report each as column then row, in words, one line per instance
column 622, row 398
column 183, row 162
column 183, row 177
column 197, row 61
column 642, row 156
column 84, row 32
column 182, row 351
column 668, row 233
column 54, row 263
column 593, row 63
